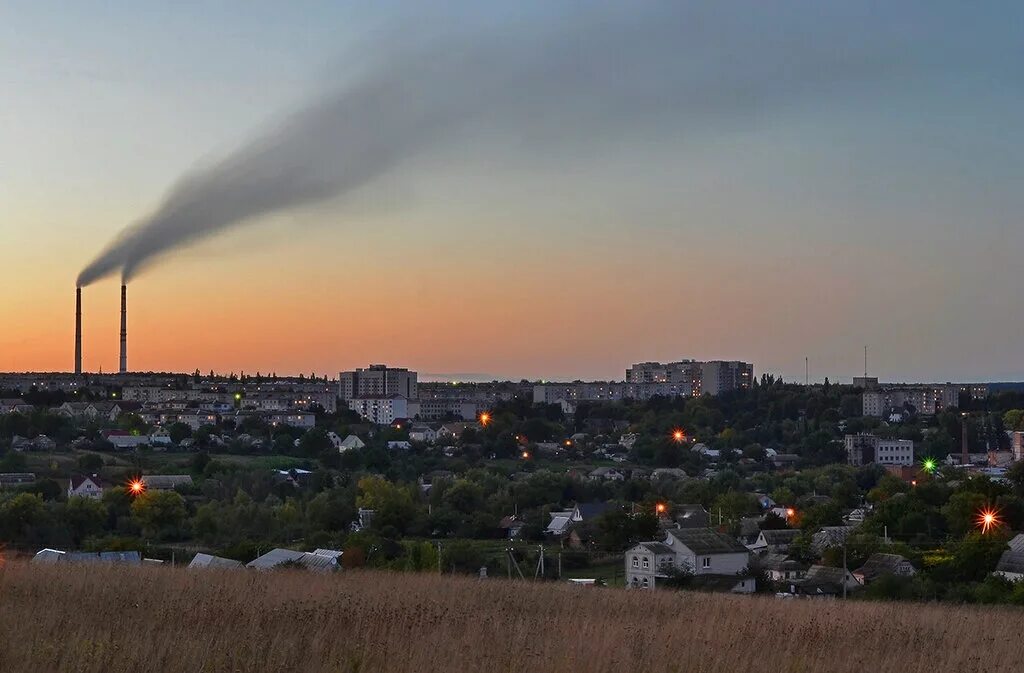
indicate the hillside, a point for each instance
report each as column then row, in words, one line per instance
column 105, row 619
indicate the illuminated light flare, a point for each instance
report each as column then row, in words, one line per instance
column 136, row 487
column 988, row 519
column 678, row 435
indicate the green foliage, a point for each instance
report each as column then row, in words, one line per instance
column 160, row 513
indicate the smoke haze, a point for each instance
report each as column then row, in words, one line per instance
column 586, row 77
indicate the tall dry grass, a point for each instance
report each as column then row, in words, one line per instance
column 107, row 619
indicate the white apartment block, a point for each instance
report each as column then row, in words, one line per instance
column 381, row 410
column 864, row 449
column 377, row 381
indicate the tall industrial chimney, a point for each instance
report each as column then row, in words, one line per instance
column 78, row 330
column 124, row 329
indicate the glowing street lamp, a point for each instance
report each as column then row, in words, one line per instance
column 660, row 508
column 790, row 512
column 136, row 487
column 988, row 519
column 678, row 436
column 485, row 418
column 526, row 455
column 929, row 465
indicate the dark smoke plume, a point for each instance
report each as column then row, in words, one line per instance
column 544, row 82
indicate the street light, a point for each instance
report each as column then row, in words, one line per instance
column 660, row 508
column 988, row 519
column 678, row 436
column 136, row 487
column 485, row 418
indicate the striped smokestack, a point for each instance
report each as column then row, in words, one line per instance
column 78, row 330
column 124, row 329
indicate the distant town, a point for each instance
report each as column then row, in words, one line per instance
column 685, row 474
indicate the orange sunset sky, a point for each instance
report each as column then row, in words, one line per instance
column 882, row 212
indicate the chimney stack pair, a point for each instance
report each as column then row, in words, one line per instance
column 123, row 362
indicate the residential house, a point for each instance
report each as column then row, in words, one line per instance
column 781, row 568
column 1011, row 565
column 1016, row 543
column 13, row 479
column 454, row 430
column 124, row 440
column 86, row 487
column 400, row 445
column 512, row 526
column 420, row 432
column 823, row 581
column 691, row 516
column 668, row 473
column 44, row 443
column 830, row 536
column 701, row 551
column 351, row 442
column 560, row 523
column 774, row 541
column 878, row 565
column 784, row 460
column 627, row 440
column 8, row 405
column 606, row 474
column 159, row 437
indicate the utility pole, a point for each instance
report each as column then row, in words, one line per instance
column 439, row 557
column 844, row 568
column 865, row 362
column 807, row 371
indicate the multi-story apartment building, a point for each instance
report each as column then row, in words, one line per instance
column 685, row 378
column 927, row 399
column 863, row 449
column 377, row 381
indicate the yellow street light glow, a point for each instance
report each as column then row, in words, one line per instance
column 485, row 418
column 136, row 486
column 678, row 435
column 660, row 508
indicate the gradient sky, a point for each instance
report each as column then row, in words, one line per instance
column 856, row 179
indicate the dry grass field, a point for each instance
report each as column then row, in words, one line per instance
column 108, row 620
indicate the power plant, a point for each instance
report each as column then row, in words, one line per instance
column 78, row 330
column 123, row 361
column 124, row 330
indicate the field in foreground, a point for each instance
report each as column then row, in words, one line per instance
column 107, row 619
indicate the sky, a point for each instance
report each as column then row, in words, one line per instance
column 726, row 180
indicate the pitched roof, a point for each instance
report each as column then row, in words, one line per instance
column 780, row 536
column 779, row 562
column 276, row 557
column 210, row 561
column 659, row 548
column 1011, row 562
column 77, row 480
column 879, row 564
column 166, row 481
column 707, row 541
column 1017, row 542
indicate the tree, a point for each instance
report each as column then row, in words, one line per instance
column 84, row 517
column 179, row 432
column 962, row 511
column 392, row 504
column 159, row 512
column 90, row 462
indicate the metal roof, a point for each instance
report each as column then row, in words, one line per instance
column 210, row 561
column 1011, row 562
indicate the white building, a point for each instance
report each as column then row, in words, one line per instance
column 863, row 449
column 381, row 410
column 86, row 487
column 700, row 551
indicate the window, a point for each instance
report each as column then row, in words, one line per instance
column 647, row 564
column 705, row 562
column 644, row 583
column 636, row 563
